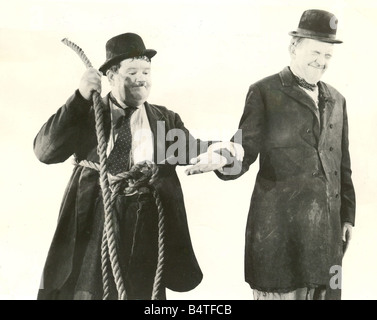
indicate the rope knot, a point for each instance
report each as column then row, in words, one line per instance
column 140, row 178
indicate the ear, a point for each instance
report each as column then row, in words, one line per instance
column 292, row 50
column 110, row 76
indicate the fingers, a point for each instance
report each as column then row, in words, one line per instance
column 206, row 163
column 347, row 235
column 202, row 158
column 235, row 149
column 90, row 82
column 193, row 170
column 347, row 232
column 238, row 151
column 196, row 169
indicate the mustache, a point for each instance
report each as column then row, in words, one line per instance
column 139, row 84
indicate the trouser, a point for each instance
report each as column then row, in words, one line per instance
column 136, row 234
column 298, row 294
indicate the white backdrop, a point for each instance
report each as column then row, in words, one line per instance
column 209, row 52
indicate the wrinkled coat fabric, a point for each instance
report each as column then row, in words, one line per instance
column 303, row 190
column 71, row 131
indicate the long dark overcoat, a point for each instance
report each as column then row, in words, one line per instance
column 71, row 131
column 303, row 191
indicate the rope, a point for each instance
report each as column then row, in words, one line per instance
column 140, row 176
column 161, row 248
column 108, row 245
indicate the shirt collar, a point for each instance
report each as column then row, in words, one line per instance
column 115, row 103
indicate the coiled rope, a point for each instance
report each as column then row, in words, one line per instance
column 110, row 190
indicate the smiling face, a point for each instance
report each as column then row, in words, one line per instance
column 310, row 59
column 131, row 83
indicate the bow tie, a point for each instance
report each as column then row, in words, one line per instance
column 304, row 84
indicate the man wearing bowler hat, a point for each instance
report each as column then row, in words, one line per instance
column 303, row 205
column 73, row 268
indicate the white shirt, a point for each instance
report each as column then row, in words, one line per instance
column 142, row 136
column 313, row 94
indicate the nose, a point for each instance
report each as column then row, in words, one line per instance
column 321, row 60
column 141, row 77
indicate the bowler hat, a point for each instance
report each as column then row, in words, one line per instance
column 124, row 46
column 318, row 25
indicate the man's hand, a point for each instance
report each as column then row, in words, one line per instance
column 206, row 162
column 90, row 82
column 347, row 235
column 235, row 149
column 214, row 160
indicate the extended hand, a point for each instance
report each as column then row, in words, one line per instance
column 90, row 82
column 213, row 159
column 206, row 162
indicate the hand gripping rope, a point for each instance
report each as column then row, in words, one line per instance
column 110, row 190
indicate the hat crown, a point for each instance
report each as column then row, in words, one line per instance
column 124, row 46
column 127, row 43
column 317, row 24
column 319, row 21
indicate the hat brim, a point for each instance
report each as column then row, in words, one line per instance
column 314, row 37
column 110, row 62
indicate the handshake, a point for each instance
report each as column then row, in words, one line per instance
column 225, row 157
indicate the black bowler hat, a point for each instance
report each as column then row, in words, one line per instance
column 124, row 46
column 318, row 25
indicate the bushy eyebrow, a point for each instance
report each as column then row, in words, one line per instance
column 132, row 68
column 318, row 52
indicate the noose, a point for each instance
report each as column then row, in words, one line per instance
column 108, row 246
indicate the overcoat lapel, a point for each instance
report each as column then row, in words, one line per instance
column 297, row 94
column 157, row 123
column 329, row 103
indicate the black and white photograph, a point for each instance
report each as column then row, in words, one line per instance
column 188, row 150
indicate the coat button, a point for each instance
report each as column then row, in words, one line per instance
column 308, row 131
column 331, row 149
column 331, row 126
column 336, row 173
column 337, row 195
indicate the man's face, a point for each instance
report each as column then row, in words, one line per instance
column 131, row 84
column 310, row 59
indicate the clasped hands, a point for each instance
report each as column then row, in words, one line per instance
column 218, row 156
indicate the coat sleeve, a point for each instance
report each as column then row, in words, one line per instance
column 59, row 137
column 250, row 131
column 348, row 200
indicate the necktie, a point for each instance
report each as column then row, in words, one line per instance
column 118, row 160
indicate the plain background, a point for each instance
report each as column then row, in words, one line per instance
column 209, row 52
